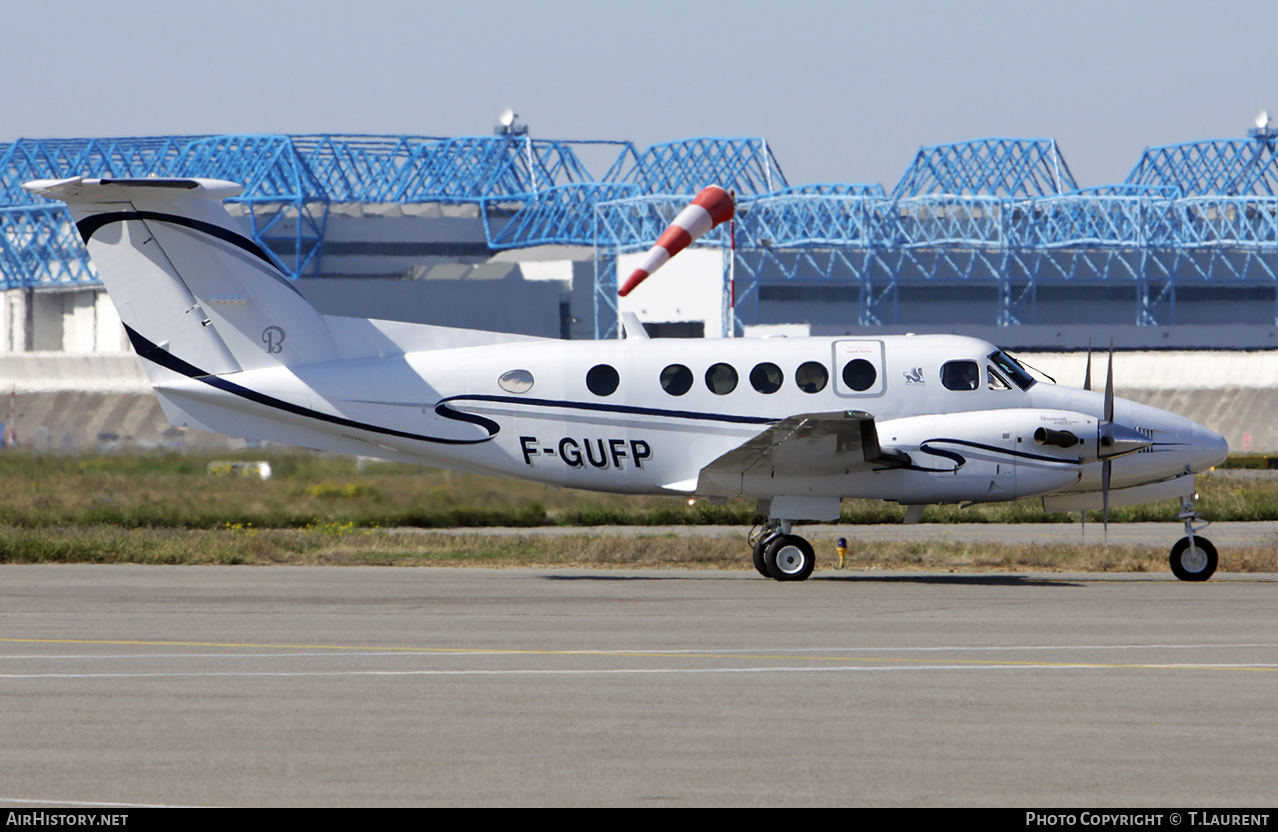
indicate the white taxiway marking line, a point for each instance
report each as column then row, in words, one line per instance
column 954, row 649
column 43, row 802
column 633, row 671
column 438, row 652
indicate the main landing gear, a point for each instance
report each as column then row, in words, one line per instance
column 781, row 555
column 1193, row 558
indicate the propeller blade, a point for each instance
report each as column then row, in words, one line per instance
column 1109, row 385
column 1106, row 470
column 1087, row 385
column 1087, row 379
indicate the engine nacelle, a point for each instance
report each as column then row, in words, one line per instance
column 988, row 456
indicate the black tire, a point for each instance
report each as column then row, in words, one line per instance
column 759, row 565
column 1196, row 564
column 789, row 558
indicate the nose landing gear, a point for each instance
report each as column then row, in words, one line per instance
column 782, row 556
column 1193, row 558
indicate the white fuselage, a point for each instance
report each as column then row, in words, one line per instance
column 448, row 407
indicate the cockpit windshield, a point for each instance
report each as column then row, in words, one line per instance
column 1013, row 369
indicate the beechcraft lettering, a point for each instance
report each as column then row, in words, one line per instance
column 796, row 424
column 598, row 453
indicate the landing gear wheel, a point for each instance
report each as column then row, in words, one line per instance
column 1196, row 562
column 759, row 546
column 789, row 557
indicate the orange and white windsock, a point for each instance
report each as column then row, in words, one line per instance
column 711, row 207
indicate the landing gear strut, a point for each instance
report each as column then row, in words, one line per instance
column 782, row 556
column 1193, row 558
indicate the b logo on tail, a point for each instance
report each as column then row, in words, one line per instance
column 273, row 337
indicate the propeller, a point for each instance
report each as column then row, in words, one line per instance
column 1087, row 385
column 1107, row 467
column 1112, row 440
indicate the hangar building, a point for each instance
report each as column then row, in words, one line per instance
column 993, row 238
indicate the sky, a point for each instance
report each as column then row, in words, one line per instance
column 842, row 91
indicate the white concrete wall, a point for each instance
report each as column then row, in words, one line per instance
column 1164, row 370
column 11, row 303
column 75, row 321
column 56, row 372
column 108, row 331
column 46, row 321
column 689, row 287
column 79, row 322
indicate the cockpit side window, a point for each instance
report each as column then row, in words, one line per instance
column 996, row 381
column 1012, row 370
column 960, row 375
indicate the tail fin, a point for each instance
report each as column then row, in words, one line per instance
column 186, row 279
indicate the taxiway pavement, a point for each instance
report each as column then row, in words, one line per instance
column 263, row 686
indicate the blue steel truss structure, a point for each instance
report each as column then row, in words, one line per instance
column 998, row 213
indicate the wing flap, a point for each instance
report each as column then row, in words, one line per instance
column 809, row 444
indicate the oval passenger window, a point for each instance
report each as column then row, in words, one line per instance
column 766, row 378
column 516, row 381
column 811, row 377
column 859, row 374
column 721, row 379
column 676, row 379
column 602, row 380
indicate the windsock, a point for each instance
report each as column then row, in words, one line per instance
column 711, row 207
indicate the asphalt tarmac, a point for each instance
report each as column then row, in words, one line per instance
column 353, row 686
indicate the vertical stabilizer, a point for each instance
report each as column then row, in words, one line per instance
column 186, row 278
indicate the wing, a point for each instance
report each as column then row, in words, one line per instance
column 810, row 444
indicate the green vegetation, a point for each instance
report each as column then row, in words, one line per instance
column 1251, row 462
column 317, row 509
column 174, row 491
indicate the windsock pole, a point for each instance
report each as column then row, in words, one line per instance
column 711, row 207
column 731, row 329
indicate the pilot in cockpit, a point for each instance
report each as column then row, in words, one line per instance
column 960, row 375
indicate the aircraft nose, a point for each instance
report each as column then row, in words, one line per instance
column 1209, row 449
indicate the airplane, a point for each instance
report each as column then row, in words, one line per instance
column 231, row 346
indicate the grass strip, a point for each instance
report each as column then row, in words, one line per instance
column 175, row 491
column 347, row 545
